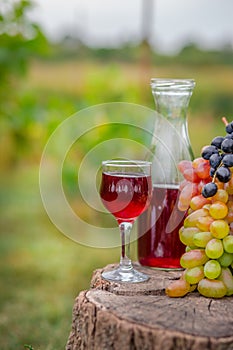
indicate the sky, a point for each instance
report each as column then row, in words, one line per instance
column 209, row 23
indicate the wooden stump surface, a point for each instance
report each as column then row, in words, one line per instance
column 140, row 316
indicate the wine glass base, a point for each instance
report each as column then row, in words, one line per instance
column 120, row 275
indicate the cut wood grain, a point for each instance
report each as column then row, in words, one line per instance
column 140, row 316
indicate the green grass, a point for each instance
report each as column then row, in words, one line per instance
column 41, row 270
column 64, row 88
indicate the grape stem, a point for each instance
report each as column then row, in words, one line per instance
column 225, row 121
column 214, row 176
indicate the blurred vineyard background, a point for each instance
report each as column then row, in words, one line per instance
column 42, row 84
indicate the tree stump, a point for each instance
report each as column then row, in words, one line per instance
column 140, row 316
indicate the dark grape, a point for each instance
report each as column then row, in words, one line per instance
column 217, row 141
column 209, row 190
column 227, row 145
column 223, row 174
column 208, row 151
column 229, row 128
column 229, row 136
column 228, row 160
column 215, row 160
column 212, row 171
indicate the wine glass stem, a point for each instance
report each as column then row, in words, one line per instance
column 125, row 262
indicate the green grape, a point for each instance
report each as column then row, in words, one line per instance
column 221, row 196
column 194, row 274
column 200, row 239
column 228, row 244
column 219, row 228
column 193, row 258
column 227, row 278
column 206, row 206
column 204, row 222
column 212, row 269
column 214, row 248
column 191, row 220
column 197, row 202
column 178, row 288
column 186, row 235
column 193, row 287
column 226, row 259
column 212, row 288
column 218, row 210
column 188, row 248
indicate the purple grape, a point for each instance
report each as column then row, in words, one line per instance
column 208, row 151
column 209, row 190
column 228, row 160
column 223, row 174
column 215, row 160
column 217, row 141
column 227, row 145
column 229, row 128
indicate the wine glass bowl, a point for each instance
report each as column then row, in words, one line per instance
column 125, row 190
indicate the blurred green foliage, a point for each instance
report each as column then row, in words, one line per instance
column 42, row 84
column 72, row 48
column 41, row 270
column 68, row 76
column 20, row 39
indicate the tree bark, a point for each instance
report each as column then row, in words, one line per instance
column 140, row 316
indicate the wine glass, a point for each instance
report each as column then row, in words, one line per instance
column 126, row 190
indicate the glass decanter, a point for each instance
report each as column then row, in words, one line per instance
column 159, row 245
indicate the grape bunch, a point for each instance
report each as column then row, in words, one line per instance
column 220, row 157
column 207, row 195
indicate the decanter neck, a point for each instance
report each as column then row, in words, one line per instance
column 170, row 143
column 172, row 97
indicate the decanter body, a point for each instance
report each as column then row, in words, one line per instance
column 159, row 245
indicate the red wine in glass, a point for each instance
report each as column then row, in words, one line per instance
column 125, row 191
column 126, row 196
